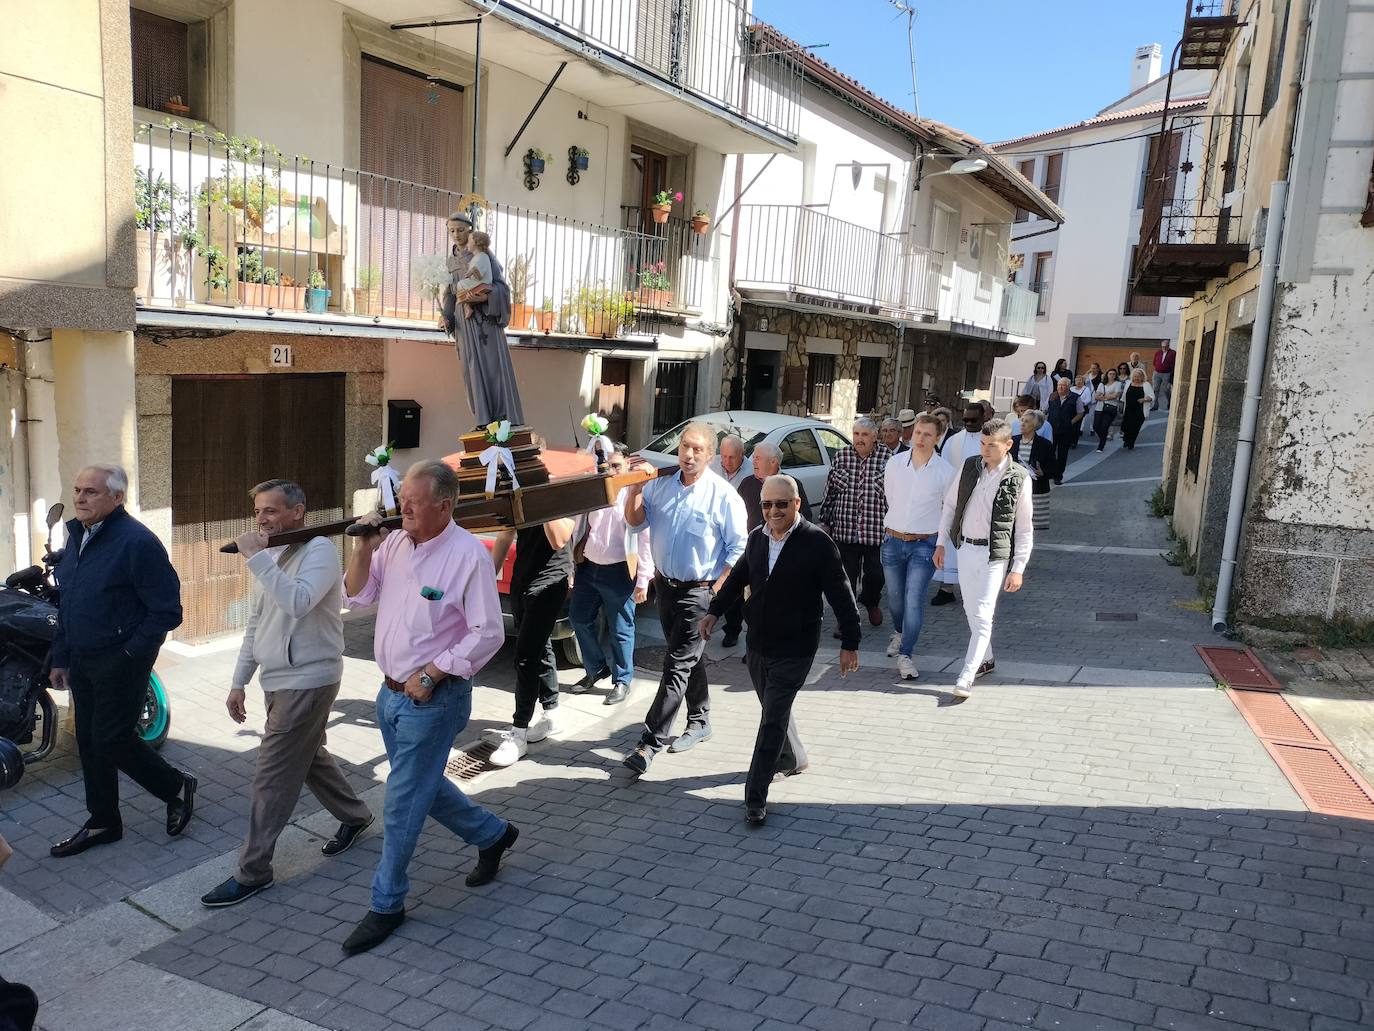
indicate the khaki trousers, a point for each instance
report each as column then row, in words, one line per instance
column 292, row 756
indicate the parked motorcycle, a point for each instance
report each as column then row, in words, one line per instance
column 28, row 624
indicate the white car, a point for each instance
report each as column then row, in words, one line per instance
column 808, row 446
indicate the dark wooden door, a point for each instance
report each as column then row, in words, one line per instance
column 762, row 381
column 613, row 400
column 230, row 433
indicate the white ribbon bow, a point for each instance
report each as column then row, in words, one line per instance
column 606, row 444
column 387, row 480
column 493, row 458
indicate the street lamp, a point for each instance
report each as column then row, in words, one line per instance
column 964, row 166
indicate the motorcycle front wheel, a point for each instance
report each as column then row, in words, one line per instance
column 155, row 720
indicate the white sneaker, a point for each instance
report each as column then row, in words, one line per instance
column 963, row 690
column 906, row 668
column 894, row 645
column 545, row 726
column 495, row 735
column 511, row 749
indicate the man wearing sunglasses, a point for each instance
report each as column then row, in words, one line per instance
column 962, row 446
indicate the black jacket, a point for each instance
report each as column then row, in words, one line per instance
column 1060, row 414
column 121, row 593
column 751, row 490
column 784, row 610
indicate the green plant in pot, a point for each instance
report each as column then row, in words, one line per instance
column 602, row 311
column 547, row 316
column 163, row 220
column 521, row 280
column 367, row 291
column 317, row 293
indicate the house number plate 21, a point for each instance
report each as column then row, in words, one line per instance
column 281, row 355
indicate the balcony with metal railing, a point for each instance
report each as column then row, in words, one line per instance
column 231, row 228
column 1208, row 26
column 1184, row 244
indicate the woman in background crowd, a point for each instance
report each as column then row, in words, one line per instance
column 1037, row 454
column 1108, row 397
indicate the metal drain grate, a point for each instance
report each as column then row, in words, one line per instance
column 1324, row 779
column 1238, row 667
column 465, row 764
column 1118, row 617
column 1270, row 716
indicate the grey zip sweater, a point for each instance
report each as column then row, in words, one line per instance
column 294, row 638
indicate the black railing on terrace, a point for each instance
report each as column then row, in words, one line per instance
column 670, row 270
column 226, row 224
column 704, row 47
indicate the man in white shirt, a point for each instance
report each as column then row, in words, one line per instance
column 612, row 573
column 987, row 517
column 729, row 461
column 958, row 449
column 915, row 483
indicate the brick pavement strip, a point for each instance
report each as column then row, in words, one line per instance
column 1048, row 855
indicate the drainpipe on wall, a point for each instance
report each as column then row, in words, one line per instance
column 1249, row 414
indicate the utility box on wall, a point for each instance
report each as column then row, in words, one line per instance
column 403, row 423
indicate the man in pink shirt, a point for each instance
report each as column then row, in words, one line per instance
column 1164, row 374
column 438, row 623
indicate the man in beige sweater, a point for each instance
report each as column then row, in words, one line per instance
column 294, row 642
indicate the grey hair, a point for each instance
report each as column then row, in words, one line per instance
column 443, row 481
column 997, row 429
column 702, row 430
column 783, row 480
column 290, row 491
column 116, row 479
column 865, row 423
column 889, row 421
column 769, row 451
column 730, row 438
column 1033, row 415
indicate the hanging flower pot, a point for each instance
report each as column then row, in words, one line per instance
column 701, row 221
column 663, row 204
column 661, row 212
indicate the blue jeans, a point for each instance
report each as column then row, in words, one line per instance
column 595, row 586
column 417, row 740
column 908, row 567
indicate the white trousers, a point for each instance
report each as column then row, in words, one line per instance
column 949, row 575
column 980, row 581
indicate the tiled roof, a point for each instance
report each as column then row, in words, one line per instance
column 1129, row 114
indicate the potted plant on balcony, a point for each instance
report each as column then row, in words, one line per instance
column 537, row 159
column 252, row 277
column 701, row 221
column 317, row 293
column 218, row 284
column 663, row 204
column 289, row 294
column 546, row 316
column 580, row 158
column 176, row 106
column 603, row 312
column 162, row 220
column 367, row 291
column 655, row 291
column 519, row 279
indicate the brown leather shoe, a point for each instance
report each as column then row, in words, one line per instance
column 875, row 615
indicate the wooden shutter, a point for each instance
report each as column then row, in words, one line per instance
column 1054, row 167
column 160, row 67
column 1027, row 169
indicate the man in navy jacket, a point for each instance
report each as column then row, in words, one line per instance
column 119, row 598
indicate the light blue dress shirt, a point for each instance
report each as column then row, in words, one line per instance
column 697, row 530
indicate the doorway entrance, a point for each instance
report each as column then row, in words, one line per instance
column 761, row 380
column 613, row 399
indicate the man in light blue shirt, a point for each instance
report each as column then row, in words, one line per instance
column 698, row 523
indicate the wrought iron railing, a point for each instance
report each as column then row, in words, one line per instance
column 672, row 267
column 704, row 47
column 801, row 250
column 226, row 223
column 1210, row 8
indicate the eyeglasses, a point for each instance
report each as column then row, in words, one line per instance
column 766, row 505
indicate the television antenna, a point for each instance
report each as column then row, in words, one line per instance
column 910, row 11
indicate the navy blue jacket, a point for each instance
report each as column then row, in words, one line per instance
column 120, row 593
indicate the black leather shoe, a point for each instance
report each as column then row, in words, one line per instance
column 83, row 839
column 638, row 761
column 231, row 893
column 756, row 816
column 488, row 859
column 729, row 640
column 618, row 694
column 372, row 930
column 179, row 809
column 691, row 737
column 987, row 667
column 344, row 837
column 589, row 681
column 943, row 598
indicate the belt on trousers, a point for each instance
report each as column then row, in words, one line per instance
column 981, row 542
column 394, row 685
column 909, row 537
column 681, row 584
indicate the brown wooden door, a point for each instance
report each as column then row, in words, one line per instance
column 613, row 400
column 228, row 434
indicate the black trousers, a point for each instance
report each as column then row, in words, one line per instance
column 734, row 618
column 863, row 564
column 108, row 692
column 536, row 672
column 777, row 748
column 684, row 677
column 1131, row 423
column 1063, row 442
column 1102, row 424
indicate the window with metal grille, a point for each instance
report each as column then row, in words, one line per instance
column 1166, row 179
column 1202, row 392
column 1054, row 169
column 1040, row 280
column 820, row 382
column 1135, row 303
column 1273, row 77
column 1027, row 169
column 870, row 374
column 675, row 393
column 161, row 69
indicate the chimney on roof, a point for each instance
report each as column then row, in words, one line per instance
column 1145, row 65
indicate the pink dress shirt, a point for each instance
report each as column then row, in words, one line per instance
column 458, row 632
column 608, row 541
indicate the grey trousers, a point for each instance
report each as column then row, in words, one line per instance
column 292, row 755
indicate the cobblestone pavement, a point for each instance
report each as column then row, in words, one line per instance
column 1094, row 840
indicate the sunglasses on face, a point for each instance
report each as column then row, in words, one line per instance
column 766, row 505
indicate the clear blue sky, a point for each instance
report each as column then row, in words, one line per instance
column 994, row 68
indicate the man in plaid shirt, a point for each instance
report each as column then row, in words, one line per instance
column 853, row 510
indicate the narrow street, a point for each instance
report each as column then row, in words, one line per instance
column 1094, row 840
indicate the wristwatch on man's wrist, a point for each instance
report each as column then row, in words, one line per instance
column 427, row 681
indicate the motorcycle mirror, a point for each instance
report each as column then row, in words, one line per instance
column 55, row 515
